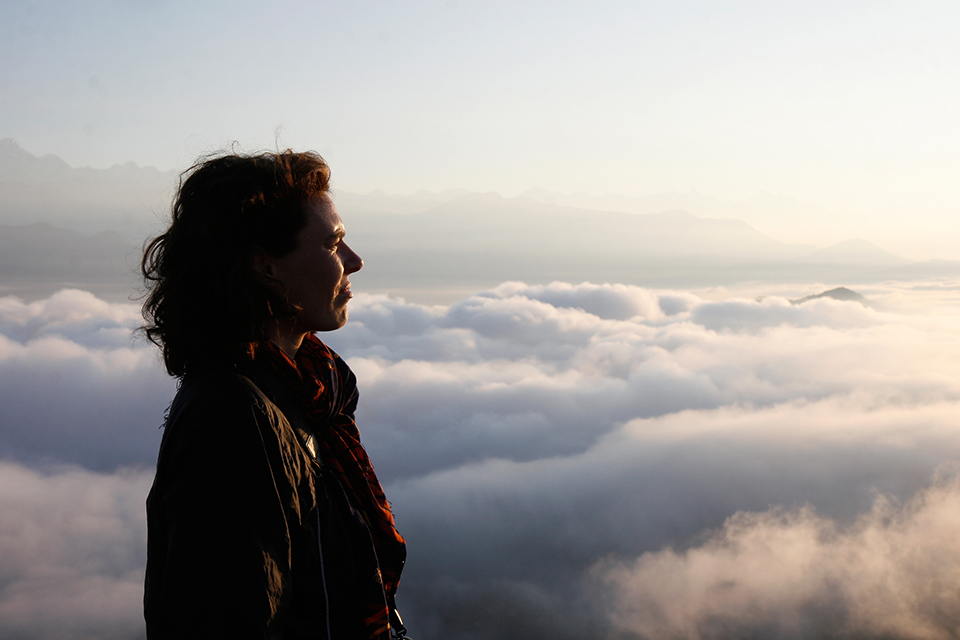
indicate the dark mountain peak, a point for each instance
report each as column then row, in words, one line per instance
column 839, row 293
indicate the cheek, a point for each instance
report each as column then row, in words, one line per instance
column 334, row 269
column 328, row 274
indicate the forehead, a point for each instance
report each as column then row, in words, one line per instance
column 322, row 220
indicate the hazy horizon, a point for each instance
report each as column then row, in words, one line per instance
column 146, row 190
column 435, row 247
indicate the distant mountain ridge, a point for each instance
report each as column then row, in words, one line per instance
column 125, row 198
column 483, row 239
column 855, row 251
column 496, row 225
column 19, row 164
column 453, row 240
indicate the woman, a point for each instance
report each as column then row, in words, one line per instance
column 266, row 519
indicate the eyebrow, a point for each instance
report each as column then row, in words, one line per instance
column 336, row 234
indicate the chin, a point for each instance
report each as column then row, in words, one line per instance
column 334, row 322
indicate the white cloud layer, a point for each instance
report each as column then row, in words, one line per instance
column 74, row 384
column 590, row 459
column 72, row 547
column 892, row 573
column 526, row 372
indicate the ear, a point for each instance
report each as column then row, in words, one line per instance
column 262, row 264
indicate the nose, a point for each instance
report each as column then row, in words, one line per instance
column 351, row 261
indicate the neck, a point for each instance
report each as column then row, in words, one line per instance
column 287, row 338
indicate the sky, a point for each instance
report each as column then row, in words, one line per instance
column 849, row 106
column 566, row 460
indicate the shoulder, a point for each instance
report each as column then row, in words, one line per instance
column 219, row 390
column 223, row 383
column 222, row 406
column 222, row 423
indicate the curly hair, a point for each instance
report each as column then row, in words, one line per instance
column 205, row 305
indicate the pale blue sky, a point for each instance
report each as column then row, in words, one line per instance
column 849, row 105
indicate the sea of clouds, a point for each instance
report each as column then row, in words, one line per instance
column 565, row 461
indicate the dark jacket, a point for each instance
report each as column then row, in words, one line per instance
column 237, row 517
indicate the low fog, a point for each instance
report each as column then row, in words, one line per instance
column 565, row 460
